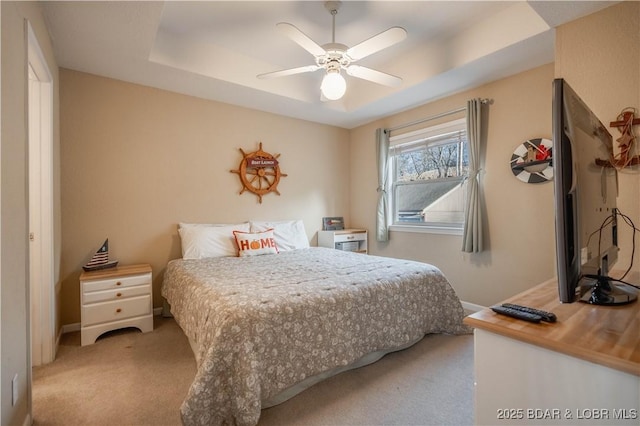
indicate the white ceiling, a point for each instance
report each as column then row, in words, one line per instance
column 215, row 49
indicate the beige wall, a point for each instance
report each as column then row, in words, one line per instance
column 519, row 216
column 599, row 55
column 14, row 199
column 137, row 160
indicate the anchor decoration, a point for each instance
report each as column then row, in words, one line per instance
column 625, row 157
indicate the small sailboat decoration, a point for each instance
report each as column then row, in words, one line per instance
column 100, row 259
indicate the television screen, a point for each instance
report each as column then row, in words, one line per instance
column 585, row 197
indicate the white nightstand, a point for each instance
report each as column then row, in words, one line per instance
column 115, row 298
column 354, row 239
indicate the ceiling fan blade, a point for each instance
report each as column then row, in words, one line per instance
column 301, row 38
column 374, row 76
column 291, row 71
column 377, row 42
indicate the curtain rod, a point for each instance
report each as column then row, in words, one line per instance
column 433, row 117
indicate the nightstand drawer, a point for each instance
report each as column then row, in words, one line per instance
column 117, row 294
column 341, row 238
column 114, row 283
column 116, row 310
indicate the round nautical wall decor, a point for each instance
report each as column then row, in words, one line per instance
column 531, row 161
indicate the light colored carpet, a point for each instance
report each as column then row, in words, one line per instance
column 125, row 378
column 131, row 378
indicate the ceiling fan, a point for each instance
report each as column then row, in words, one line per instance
column 334, row 57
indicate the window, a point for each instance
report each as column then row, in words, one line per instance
column 428, row 171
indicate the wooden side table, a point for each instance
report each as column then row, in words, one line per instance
column 115, row 298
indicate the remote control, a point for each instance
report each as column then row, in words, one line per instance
column 546, row 316
column 517, row 314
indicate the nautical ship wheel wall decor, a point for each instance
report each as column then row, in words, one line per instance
column 259, row 172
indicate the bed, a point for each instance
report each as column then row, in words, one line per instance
column 264, row 328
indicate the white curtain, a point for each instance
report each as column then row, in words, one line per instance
column 382, row 222
column 472, row 235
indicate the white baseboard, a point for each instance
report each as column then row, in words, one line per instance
column 472, row 307
column 70, row 328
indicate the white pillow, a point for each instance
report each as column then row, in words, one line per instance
column 289, row 234
column 187, row 225
column 255, row 243
column 200, row 242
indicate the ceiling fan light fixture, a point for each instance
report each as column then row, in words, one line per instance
column 334, row 57
column 333, row 85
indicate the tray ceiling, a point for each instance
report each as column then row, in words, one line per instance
column 215, row 49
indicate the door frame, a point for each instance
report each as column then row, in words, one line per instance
column 41, row 262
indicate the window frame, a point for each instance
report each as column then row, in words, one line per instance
column 417, row 137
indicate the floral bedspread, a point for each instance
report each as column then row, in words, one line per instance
column 262, row 324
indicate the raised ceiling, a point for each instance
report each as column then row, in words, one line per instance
column 215, row 49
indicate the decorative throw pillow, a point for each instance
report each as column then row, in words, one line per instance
column 289, row 234
column 255, row 243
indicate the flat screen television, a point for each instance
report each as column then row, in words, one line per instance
column 585, row 203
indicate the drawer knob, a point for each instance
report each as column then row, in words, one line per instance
column 118, row 283
column 118, row 294
column 350, row 237
column 118, row 310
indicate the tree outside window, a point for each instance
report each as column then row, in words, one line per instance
column 427, row 179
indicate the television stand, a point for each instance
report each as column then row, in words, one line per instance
column 599, row 290
column 583, row 369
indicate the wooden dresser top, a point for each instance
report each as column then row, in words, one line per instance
column 118, row 271
column 606, row 335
